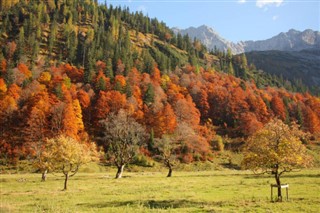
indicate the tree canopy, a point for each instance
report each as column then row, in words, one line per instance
column 276, row 149
column 122, row 138
column 66, row 155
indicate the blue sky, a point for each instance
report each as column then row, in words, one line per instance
column 234, row 20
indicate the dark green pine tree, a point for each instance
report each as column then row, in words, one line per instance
column 109, row 70
column 128, row 90
column 148, row 62
column 149, row 95
column 52, row 37
column 192, row 59
column 89, row 67
column 101, row 85
column 229, row 55
column 20, row 45
column 9, row 78
column 300, row 116
column 73, row 45
column 243, row 73
column 230, row 69
column 180, row 41
column 119, row 88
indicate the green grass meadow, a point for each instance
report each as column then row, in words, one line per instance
column 193, row 191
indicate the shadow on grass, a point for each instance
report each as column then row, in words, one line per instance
column 287, row 175
column 211, row 175
column 153, row 204
column 231, row 166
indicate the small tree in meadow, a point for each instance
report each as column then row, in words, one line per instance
column 276, row 149
column 167, row 147
column 66, row 155
column 43, row 158
column 122, row 138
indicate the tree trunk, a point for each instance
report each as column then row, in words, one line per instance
column 66, row 177
column 120, row 171
column 279, row 187
column 170, row 169
column 44, row 175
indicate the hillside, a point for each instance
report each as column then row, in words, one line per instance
column 299, row 67
column 291, row 57
column 68, row 66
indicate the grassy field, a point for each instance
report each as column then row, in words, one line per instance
column 193, row 191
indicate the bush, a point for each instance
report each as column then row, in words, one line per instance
column 217, row 143
column 142, row 160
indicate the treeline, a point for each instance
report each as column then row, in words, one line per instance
column 195, row 104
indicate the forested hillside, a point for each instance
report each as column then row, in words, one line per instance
column 299, row 67
column 68, row 65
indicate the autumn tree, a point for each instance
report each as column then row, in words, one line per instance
column 167, row 147
column 165, row 121
column 187, row 112
column 36, row 127
column 278, row 107
column 111, row 101
column 42, row 159
column 66, row 155
column 72, row 119
column 122, row 138
column 3, row 87
column 311, row 121
column 276, row 149
column 202, row 103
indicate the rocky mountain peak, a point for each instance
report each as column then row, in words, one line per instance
column 293, row 40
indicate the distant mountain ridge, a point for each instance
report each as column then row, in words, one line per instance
column 210, row 38
column 292, row 40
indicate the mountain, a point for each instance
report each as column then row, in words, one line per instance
column 210, row 38
column 292, row 40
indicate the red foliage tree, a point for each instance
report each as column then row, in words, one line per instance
column 278, row 107
column 311, row 121
column 164, row 122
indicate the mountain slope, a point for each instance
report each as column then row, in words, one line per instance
column 295, row 66
column 293, row 55
column 292, row 40
column 210, row 38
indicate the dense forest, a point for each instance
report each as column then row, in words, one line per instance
column 67, row 66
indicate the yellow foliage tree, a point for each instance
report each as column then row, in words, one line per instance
column 66, row 155
column 78, row 114
column 45, row 78
column 276, row 149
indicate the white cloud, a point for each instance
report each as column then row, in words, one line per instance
column 274, row 18
column 242, row 1
column 263, row 3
